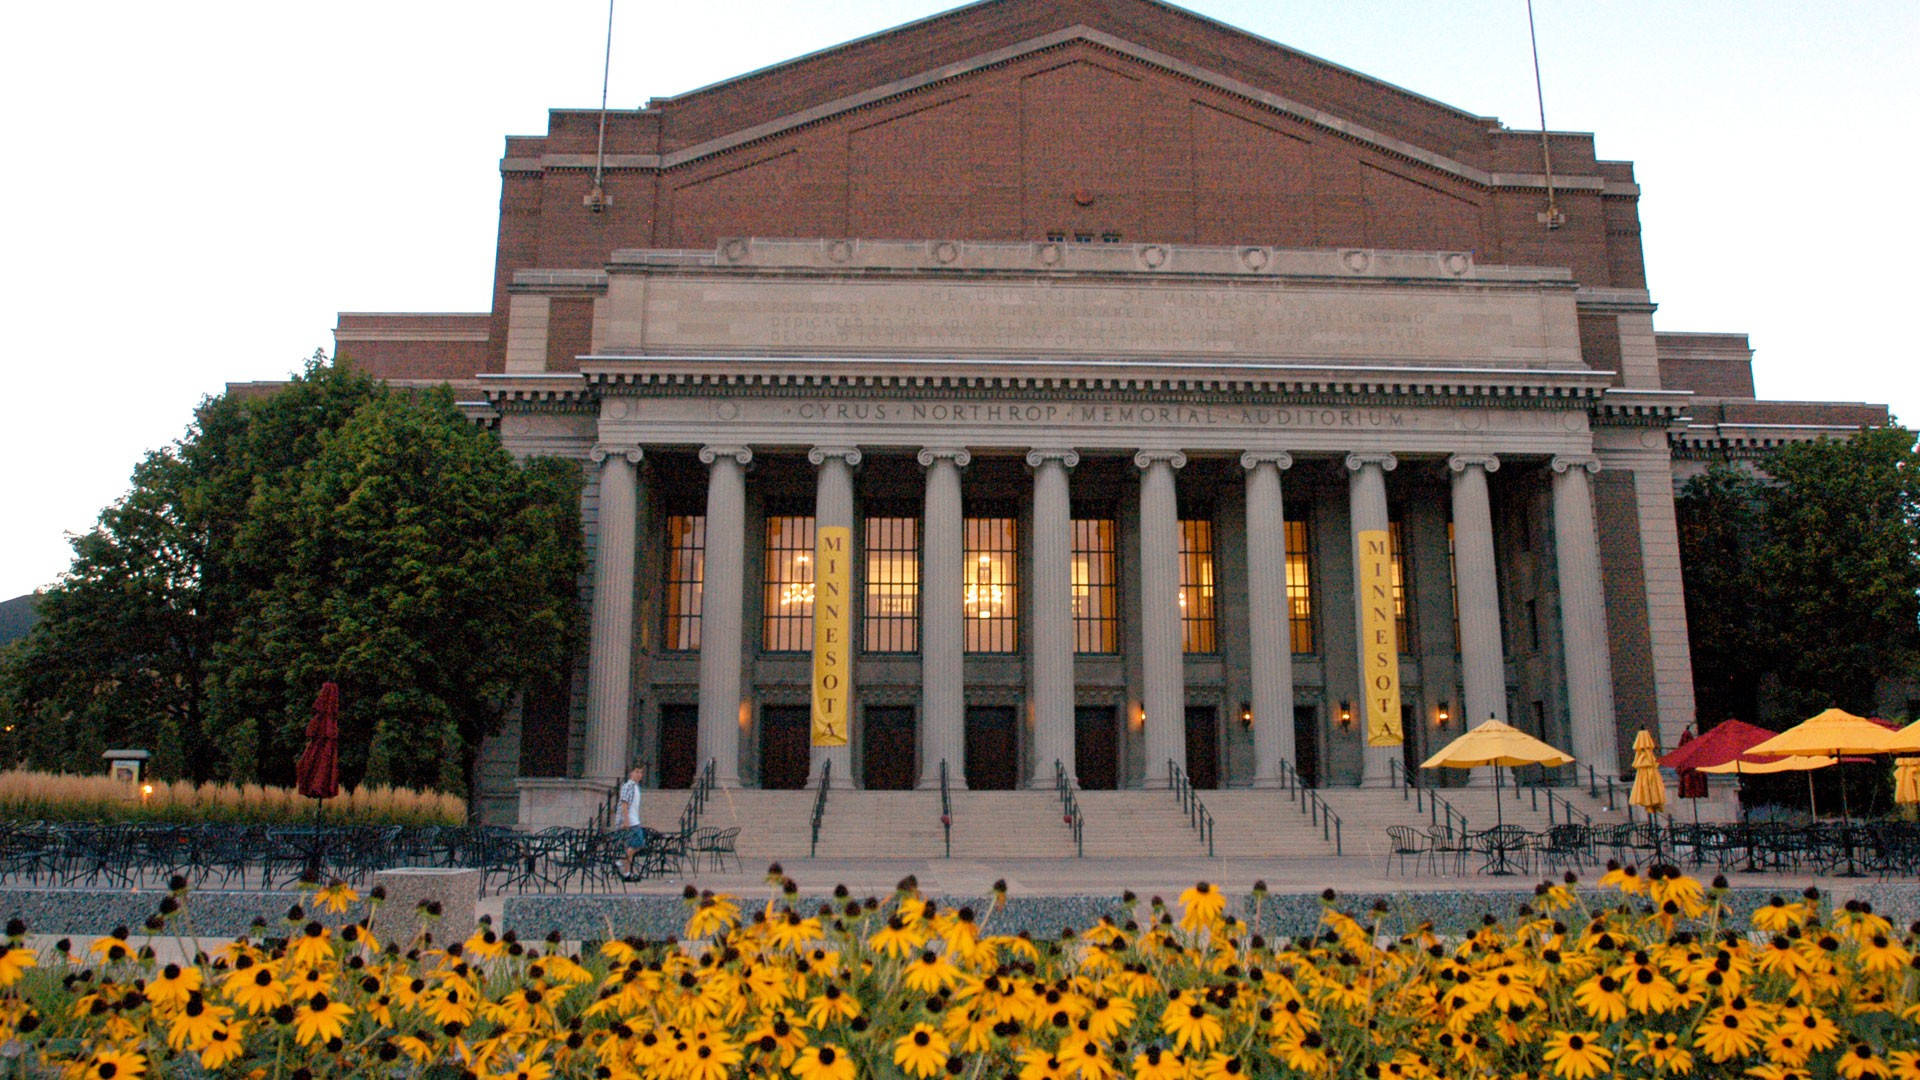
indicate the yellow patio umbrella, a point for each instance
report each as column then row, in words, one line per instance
column 1834, row 733
column 1496, row 744
column 1744, row 766
column 1649, row 791
column 1906, row 782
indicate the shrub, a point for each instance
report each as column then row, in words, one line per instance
column 36, row 796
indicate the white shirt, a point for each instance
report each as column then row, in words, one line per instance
column 630, row 798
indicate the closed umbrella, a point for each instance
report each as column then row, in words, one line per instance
column 318, row 774
column 1496, row 744
column 1906, row 782
column 1649, row 790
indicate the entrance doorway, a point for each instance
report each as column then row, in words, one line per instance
column 1306, row 744
column 679, row 745
column 1203, row 746
column 1096, row 747
column 887, row 760
column 993, row 753
column 1411, row 736
column 786, row 751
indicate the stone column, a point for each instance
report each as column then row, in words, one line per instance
column 1483, row 660
column 942, row 619
column 1051, row 611
column 833, row 508
column 1367, row 503
column 1583, row 615
column 1270, row 636
column 1163, row 661
column 610, row 653
column 722, row 604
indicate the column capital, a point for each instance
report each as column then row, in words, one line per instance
column 1360, row 459
column 1040, row 455
column 710, row 454
column 602, row 451
column 956, row 454
column 1279, row 459
column 849, row 454
column 1146, row 458
column 1460, row 462
column 1564, row 462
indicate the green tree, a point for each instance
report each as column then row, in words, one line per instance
column 331, row 529
column 1840, row 567
column 1720, row 514
column 1803, row 580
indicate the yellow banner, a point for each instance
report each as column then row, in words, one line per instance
column 1379, row 652
column 832, row 635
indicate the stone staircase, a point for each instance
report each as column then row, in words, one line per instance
column 1262, row 823
column 878, row 825
column 1137, row 823
column 773, row 825
column 1008, row 825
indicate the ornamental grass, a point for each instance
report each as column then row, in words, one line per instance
column 38, row 796
column 1650, row 976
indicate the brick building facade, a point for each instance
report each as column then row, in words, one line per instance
column 988, row 219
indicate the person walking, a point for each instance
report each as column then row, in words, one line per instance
column 636, row 834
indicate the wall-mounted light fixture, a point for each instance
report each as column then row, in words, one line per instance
column 1442, row 717
column 1346, row 713
column 1246, row 715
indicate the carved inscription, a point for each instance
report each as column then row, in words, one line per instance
column 987, row 414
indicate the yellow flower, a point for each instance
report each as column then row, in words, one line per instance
column 1600, row 998
column 1816, row 1030
column 255, row 989
column 1578, row 1055
column 111, row 948
column 826, row 1062
column 1222, row 1066
column 222, row 1045
column 319, row 1019
column 14, row 964
column 929, row 973
column 1190, row 1024
column 114, row 1065
column 922, row 1051
column 1880, row 953
column 1726, row 1033
column 195, row 1022
column 1109, row 1017
column 173, row 986
column 1085, row 1058
column 1860, row 1061
column 1905, row 1064
column 1157, row 1064
column 336, row 897
column 311, row 948
column 1201, row 907
column 1662, row 1051
column 713, row 915
column 897, row 938
column 833, row 1005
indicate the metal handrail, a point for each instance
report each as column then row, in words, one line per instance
column 1199, row 818
column 1313, row 805
column 1566, row 814
column 1069, row 806
column 1438, row 810
column 697, row 799
column 820, row 804
column 946, row 809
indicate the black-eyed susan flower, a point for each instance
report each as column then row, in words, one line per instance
column 824, row 1062
column 224, row 1044
column 1158, row 1063
column 257, row 989
column 320, row 1018
column 1201, row 907
column 114, row 1065
column 1577, row 1055
column 1858, row 1061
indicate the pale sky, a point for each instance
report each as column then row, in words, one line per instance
column 195, row 189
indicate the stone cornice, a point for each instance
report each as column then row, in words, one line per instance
column 1706, row 441
column 1084, row 380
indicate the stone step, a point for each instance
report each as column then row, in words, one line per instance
column 1010, row 824
column 1148, row 823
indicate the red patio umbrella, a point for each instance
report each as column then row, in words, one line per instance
column 318, row 774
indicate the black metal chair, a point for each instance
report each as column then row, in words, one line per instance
column 1403, row 842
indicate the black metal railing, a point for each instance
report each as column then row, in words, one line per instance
column 1594, row 787
column 820, row 804
column 1321, row 815
column 1198, row 816
column 946, row 809
column 1560, row 810
column 697, row 799
column 1069, row 806
column 1426, row 800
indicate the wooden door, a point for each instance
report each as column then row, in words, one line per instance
column 1203, row 746
column 1096, row 747
column 887, row 762
column 786, row 736
column 993, row 752
column 679, row 745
